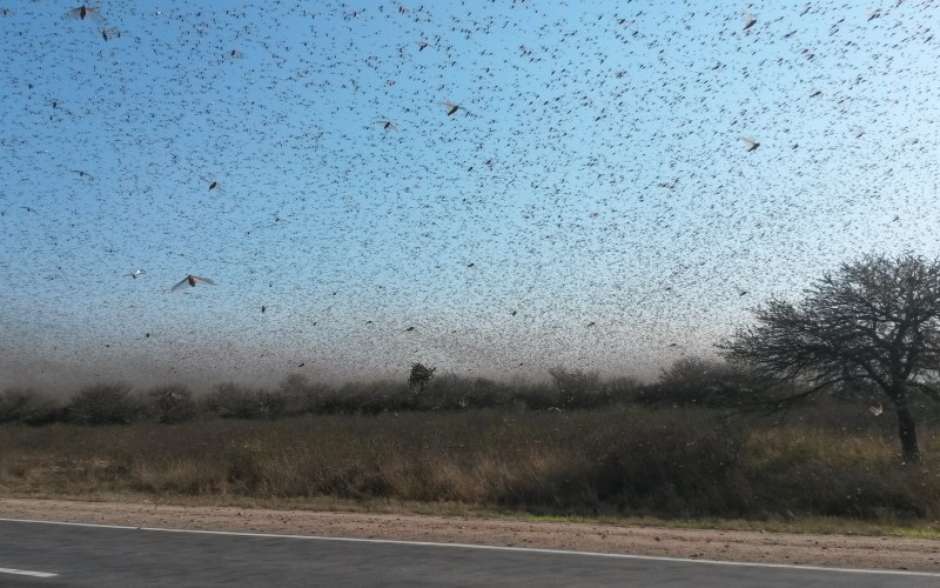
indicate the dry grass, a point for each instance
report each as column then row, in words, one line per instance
column 676, row 464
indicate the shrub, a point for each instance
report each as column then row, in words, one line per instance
column 452, row 392
column 579, row 389
column 665, row 465
column 623, row 390
column 24, row 405
column 231, row 400
column 272, row 404
column 300, row 396
column 537, row 396
column 239, row 402
column 104, row 404
column 695, row 381
column 172, row 404
column 377, row 397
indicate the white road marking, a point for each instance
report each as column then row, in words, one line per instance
column 27, row 573
column 713, row 562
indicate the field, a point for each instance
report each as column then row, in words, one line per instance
column 619, row 461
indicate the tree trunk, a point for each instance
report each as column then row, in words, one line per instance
column 907, row 432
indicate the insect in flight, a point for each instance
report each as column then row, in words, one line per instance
column 192, row 281
column 386, row 124
column 451, row 107
column 84, row 11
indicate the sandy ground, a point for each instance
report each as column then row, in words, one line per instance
column 825, row 550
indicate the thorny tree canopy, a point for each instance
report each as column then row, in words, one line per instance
column 876, row 320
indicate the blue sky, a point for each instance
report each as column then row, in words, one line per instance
column 595, row 173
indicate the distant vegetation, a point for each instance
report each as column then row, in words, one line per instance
column 688, row 382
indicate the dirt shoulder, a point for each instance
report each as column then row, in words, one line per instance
column 807, row 549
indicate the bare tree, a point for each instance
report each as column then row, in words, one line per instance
column 874, row 321
column 420, row 376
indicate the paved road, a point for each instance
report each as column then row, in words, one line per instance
column 103, row 556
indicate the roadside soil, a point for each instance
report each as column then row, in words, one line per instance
column 751, row 546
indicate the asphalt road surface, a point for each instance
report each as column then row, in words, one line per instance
column 34, row 554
